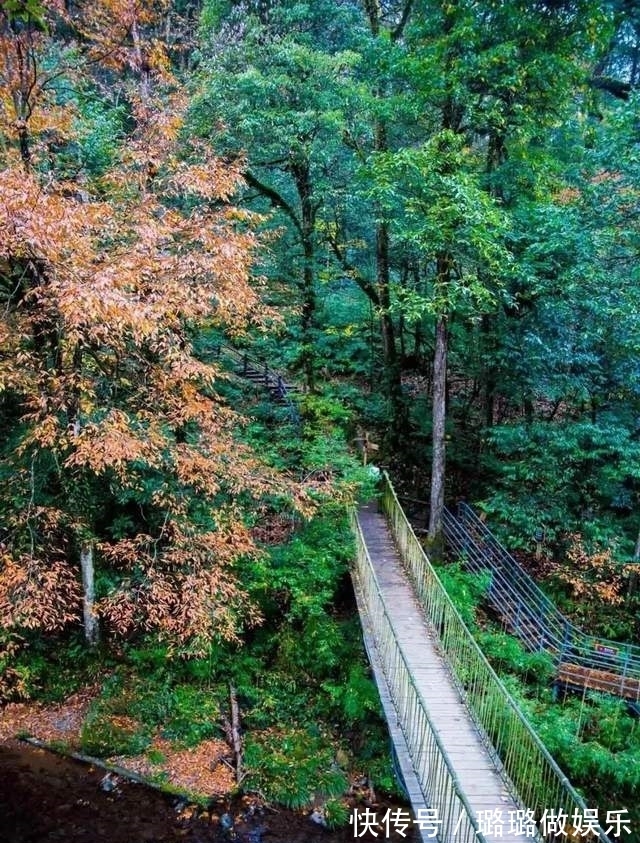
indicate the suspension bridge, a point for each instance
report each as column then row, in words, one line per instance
column 473, row 766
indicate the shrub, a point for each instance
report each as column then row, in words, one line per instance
column 291, row 766
column 104, row 735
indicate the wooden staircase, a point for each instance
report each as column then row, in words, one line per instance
column 582, row 661
column 281, row 392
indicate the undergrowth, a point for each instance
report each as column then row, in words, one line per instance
column 594, row 738
column 310, row 712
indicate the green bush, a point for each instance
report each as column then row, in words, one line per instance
column 355, row 696
column 193, row 716
column 103, row 736
column 292, row 766
column 466, row 590
column 336, row 813
column 506, row 653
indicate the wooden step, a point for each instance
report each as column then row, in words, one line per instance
column 599, row 680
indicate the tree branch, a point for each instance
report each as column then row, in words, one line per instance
column 618, row 89
column 406, row 13
column 276, row 199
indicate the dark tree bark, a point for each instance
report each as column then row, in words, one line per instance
column 397, row 429
column 308, row 210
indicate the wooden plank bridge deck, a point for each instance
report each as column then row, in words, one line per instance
column 475, row 770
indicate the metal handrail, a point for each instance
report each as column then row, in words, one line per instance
column 527, row 767
column 434, row 771
column 612, row 666
column 273, row 381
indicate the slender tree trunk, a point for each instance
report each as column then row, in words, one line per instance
column 91, row 630
column 391, row 362
column 302, row 176
column 439, row 414
column 236, row 734
column 487, row 345
column 308, row 320
column 392, row 373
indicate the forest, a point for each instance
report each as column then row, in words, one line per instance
column 424, row 215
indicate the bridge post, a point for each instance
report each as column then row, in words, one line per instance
column 566, row 640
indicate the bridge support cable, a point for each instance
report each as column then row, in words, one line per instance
column 525, row 764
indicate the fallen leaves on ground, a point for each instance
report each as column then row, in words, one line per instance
column 202, row 770
column 53, row 724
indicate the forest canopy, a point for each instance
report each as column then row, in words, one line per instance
column 424, row 211
column 245, row 243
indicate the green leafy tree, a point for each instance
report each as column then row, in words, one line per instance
column 273, row 94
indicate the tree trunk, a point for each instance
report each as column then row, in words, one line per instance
column 488, row 348
column 302, row 177
column 438, row 461
column 235, row 733
column 91, row 630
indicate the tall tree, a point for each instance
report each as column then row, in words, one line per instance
column 480, row 69
column 387, row 23
column 118, row 442
column 272, row 93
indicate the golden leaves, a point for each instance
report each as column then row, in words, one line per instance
column 37, row 593
column 114, row 443
column 592, row 575
column 101, row 293
column 182, row 586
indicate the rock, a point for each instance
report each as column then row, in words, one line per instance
column 317, row 817
column 109, row 783
column 226, row 822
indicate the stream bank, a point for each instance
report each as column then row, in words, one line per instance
column 45, row 798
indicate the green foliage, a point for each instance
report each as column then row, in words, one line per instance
column 184, row 713
column 506, row 653
column 104, row 735
column 50, row 670
column 446, row 211
column 306, row 572
column 574, row 476
column 336, row 813
column 25, row 11
column 465, row 589
column 355, row 696
column 292, row 766
column 100, row 129
column 155, row 756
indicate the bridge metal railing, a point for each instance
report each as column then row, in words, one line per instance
column 528, row 769
column 434, row 770
column 581, row 660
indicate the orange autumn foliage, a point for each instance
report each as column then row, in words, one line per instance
column 120, row 437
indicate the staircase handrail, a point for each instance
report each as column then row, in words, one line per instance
column 272, row 379
column 538, row 607
column 576, row 646
column 527, row 766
